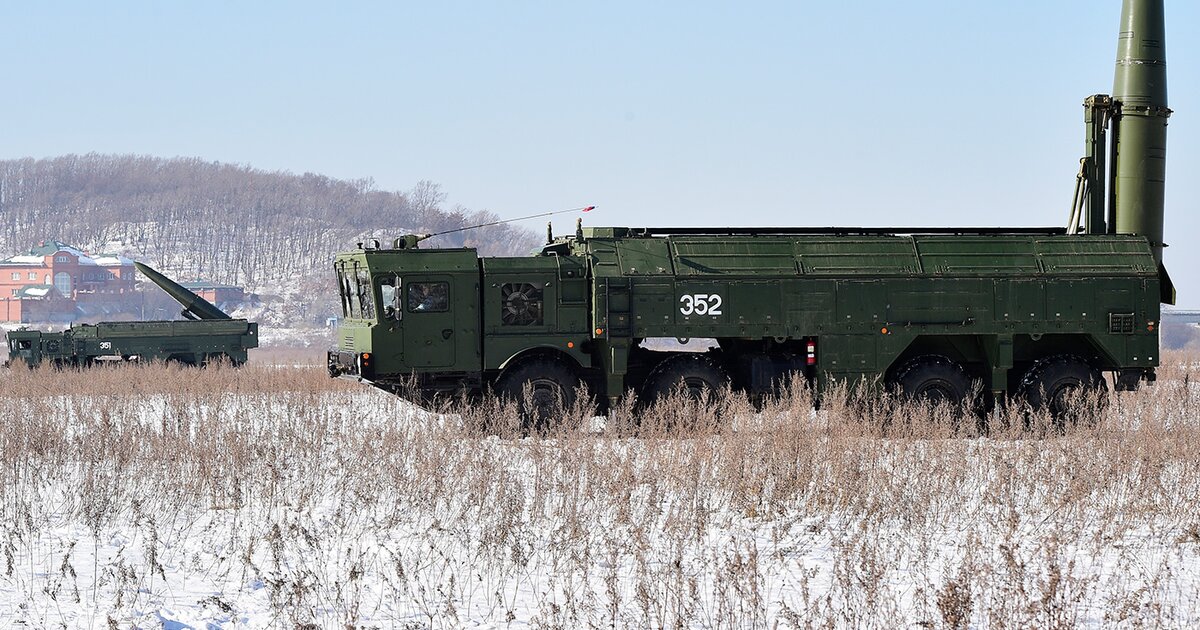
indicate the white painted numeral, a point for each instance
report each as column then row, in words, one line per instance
column 700, row 304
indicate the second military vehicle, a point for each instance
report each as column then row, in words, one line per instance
column 1036, row 312
column 206, row 336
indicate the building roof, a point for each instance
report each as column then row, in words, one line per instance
column 201, row 285
column 37, row 256
column 47, row 248
column 34, row 291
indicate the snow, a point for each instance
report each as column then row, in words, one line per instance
column 37, row 291
column 112, row 261
column 103, row 260
column 343, row 529
column 25, row 260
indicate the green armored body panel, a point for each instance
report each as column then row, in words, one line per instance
column 188, row 342
column 942, row 313
column 210, row 335
column 930, row 312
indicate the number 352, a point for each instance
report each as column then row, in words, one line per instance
column 700, row 304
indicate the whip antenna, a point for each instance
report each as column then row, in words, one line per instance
column 532, row 216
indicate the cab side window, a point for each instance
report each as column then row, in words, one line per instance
column 428, row 297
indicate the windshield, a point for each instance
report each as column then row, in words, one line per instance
column 363, row 295
column 344, row 292
column 359, row 291
column 353, row 286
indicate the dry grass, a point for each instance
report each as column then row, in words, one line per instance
column 347, row 508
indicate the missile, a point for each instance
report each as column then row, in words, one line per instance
column 1140, row 98
column 194, row 306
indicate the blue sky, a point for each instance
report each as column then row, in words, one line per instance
column 799, row 113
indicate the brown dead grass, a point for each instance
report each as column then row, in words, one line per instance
column 867, row 513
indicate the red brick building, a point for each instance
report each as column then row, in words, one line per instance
column 54, row 280
column 223, row 296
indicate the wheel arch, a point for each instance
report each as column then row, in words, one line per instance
column 968, row 351
column 1033, row 347
column 541, row 352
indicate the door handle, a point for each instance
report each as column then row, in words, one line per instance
column 446, row 333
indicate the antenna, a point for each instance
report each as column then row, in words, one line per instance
column 532, row 216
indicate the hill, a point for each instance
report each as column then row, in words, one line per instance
column 273, row 232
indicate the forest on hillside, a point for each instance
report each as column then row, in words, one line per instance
column 220, row 222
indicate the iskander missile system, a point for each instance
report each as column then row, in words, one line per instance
column 207, row 335
column 194, row 306
column 1031, row 314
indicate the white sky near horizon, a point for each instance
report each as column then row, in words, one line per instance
column 875, row 112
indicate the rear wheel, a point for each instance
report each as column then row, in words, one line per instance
column 217, row 359
column 182, row 360
column 933, row 378
column 1057, row 385
column 697, row 375
column 542, row 389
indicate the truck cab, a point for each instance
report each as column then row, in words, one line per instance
column 408, row 314
column 443, row 322
column 24, row 346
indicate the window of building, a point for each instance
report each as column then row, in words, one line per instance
column 16, row 275
column 62, row 282
column 62, row 259
column 33, row 275
column 15, row 291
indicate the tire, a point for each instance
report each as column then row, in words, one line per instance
column 698, row 374
column 553, row 387
column 1051, row 382
column 934, row 379
column 217, row 359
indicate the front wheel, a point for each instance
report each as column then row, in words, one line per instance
column 543, row 390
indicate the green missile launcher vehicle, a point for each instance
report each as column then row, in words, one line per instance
column 940, row 313
column 208, row 335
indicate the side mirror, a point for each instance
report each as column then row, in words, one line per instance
column 389, row 292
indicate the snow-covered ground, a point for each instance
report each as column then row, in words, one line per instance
column 264, row 499
column 316, row 338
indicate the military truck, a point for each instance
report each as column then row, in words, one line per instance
column 1033, row 312
column 207, row 335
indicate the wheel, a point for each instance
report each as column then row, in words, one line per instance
column 1054, row 383
column 182, row 360
column 697, row 374
column 933, row 378
column 216, row 359
column 552, row 387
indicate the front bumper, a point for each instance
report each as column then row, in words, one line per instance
column 351, row 364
